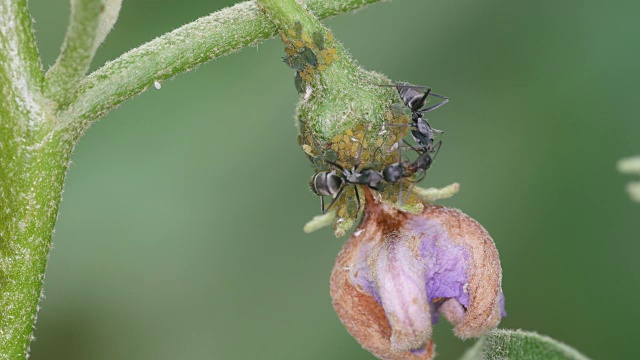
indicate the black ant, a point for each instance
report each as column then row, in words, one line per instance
column 332, row 183
column 327, row 183
column 415, row 98
column 396, row 172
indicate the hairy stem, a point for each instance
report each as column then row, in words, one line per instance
column 209, row 37
column 89, row 24
column 286, row 13
column 32, row 163
column 32, row 173
column 20, row 69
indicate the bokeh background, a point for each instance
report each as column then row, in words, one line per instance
column 180, row 233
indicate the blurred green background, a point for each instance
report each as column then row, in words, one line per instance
column 180, row 234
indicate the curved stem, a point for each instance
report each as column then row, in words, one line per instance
column 89, row 24
column 209, row 37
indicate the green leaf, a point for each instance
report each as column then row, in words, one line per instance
column 521, row 345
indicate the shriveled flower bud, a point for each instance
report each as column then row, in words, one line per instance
column 399, row 271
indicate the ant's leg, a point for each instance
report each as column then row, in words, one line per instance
column 419, row 150
column 440, row 96
column 424, row 174
column 433, row 107
column 375, row 153
column 404, row 125
column 336, row 165
column 338, row 194
column 322, row 204
column 400, row 185
column 437, row 150
column 355, row 187
column 423, row 98
column 432, row 129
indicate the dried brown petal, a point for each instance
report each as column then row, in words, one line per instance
column 398, row 270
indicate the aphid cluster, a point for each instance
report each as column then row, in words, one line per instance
column 301, row 54
column 333, row 182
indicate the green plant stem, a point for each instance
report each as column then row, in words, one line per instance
column 20, row 69
column 32, row 163
column 286, row 13
column 89, row 24
column 32, row 171
column 209, row 37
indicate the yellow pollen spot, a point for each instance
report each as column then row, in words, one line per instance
column 322, row 68
column 348, row 132
column 291, row 32
column 307, row 39
column 299, row 43
column 346, row 138
column 379, row 142
column 336, row 138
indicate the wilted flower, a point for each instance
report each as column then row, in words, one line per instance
column 399, row 271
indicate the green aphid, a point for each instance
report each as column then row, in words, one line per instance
column 398, row 109
column 309, row 57
column 299, row 83
column 318, row 40
column 319, row 163
column 352, row 208
column 295, row 62
column 331, row 155
column 298, row 27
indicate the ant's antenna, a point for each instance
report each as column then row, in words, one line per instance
column 405, row 85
